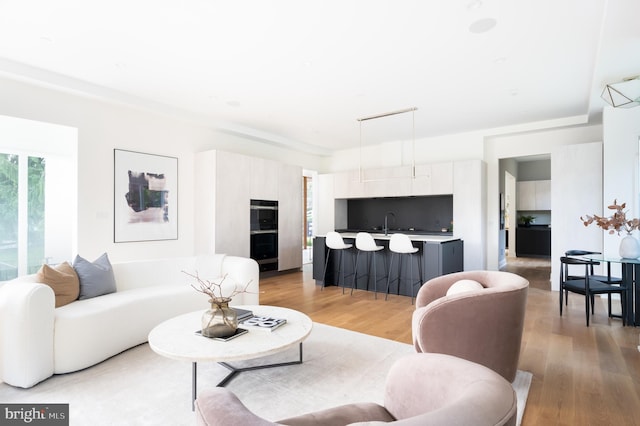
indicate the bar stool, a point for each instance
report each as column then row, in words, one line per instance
column 401, row 244
column 365, row 243
column 334, row 241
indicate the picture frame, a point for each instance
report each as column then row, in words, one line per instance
column 145, row 199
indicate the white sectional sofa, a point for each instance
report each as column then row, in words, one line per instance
column 38, row 340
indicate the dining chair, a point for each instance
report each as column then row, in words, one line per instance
column 586, row 285
column 607, row 279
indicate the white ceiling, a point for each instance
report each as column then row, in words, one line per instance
column 301, row 73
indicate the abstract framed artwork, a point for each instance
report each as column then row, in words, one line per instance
column 145, row 201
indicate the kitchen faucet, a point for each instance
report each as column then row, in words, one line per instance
column 386, row 226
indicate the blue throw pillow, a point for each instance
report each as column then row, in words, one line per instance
column 96, row 278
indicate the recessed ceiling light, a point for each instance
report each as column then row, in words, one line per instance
column 234, row 104
column 474, row 4
column 482, row 25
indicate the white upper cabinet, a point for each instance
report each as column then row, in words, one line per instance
column 264, row 179
column 387, row 182
column 533, row 195
column 442, row 178
column 433, row 179
column 543, row 195
column 348, row 185
column 430, row 179
column 526, row 195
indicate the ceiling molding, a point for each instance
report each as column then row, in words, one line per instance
column 38, row 76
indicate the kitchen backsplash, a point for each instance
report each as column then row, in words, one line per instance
column 425, row 213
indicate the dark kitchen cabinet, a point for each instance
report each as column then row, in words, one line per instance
column 534, row 241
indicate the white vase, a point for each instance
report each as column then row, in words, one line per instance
column 629, row 247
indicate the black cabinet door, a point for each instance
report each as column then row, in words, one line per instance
column 452, row 257
column 442, row 258
column 533, row 242
column 319, row 253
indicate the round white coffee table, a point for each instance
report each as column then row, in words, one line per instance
column 177, row 338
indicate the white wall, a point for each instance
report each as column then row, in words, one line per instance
column 518, row 145
column 61, row 207
column 469, row 211
column 621, row 139
column 576, row 177
column 103, row 126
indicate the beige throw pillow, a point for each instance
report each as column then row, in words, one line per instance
column 63, row 280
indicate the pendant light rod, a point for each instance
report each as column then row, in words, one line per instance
column 386, row 114
column 413, row 138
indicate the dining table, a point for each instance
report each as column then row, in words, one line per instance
column 630, row 280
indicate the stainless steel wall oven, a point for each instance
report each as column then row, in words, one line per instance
column 264, row 234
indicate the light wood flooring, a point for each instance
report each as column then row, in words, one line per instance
column 581, row 375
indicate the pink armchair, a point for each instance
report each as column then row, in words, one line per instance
column 421, row 389
column 483, row 326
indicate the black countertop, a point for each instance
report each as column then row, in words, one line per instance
column 535, row 227
column 397, row 231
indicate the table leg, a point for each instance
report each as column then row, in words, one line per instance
column 630, row 276
column 234, row 371
column 627, row 280
column 194, row 385
column 633, row 289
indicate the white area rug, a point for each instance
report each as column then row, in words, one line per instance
column 139, row 387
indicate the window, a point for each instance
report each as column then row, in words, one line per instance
column 22, row 207
column 38, row 195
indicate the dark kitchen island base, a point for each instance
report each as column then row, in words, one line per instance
column 438, row 255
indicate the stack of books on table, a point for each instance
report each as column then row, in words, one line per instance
column 243, row 314
column 262, row 323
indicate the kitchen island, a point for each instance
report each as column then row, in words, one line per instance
column 439, row 255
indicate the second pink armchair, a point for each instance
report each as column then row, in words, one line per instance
column 483, row 326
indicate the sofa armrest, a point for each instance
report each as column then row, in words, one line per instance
column 26, row 337
column 243, row 270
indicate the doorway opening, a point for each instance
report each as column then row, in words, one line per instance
column 309, row 201
column 525, row 208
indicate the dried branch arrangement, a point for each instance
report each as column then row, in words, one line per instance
column 214, row 289
column 615, row 223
